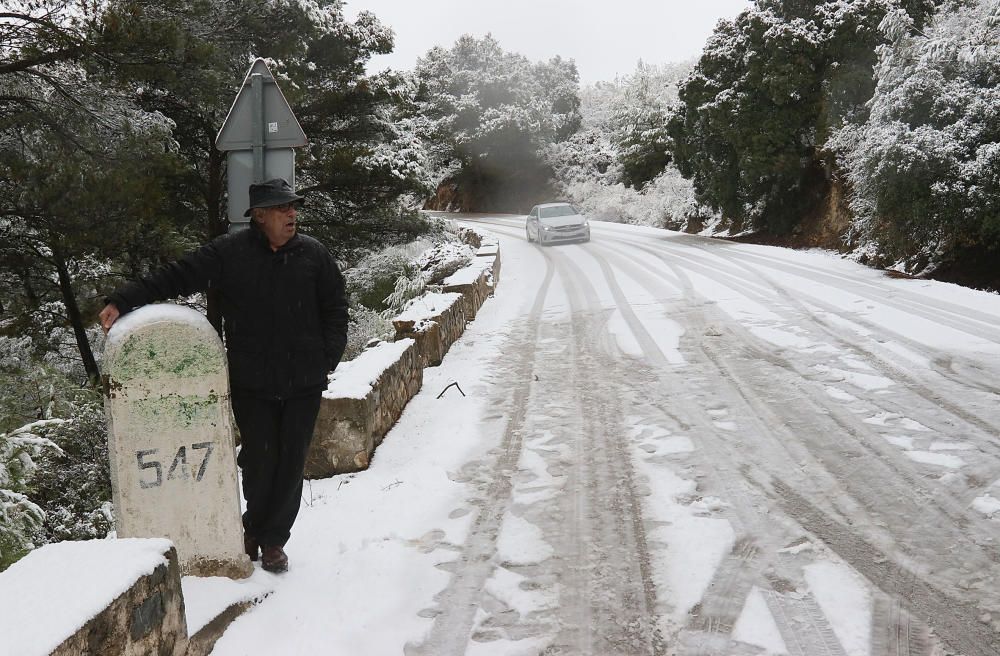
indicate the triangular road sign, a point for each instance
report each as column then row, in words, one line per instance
column 278, row 123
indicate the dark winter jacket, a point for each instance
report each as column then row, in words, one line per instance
column 284, row 312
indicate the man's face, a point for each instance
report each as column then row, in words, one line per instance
column 278, row 223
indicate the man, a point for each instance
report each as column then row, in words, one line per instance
column 284, row 309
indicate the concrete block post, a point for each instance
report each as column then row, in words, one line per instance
column 173, row 464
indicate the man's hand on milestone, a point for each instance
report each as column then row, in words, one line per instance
column 108, row 316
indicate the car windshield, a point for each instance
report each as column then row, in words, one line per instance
column 556, row 210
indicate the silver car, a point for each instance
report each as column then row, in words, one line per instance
column 551, row 223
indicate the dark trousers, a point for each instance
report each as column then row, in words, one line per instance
column 274, row 442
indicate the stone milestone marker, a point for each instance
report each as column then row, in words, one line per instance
column 170, row 438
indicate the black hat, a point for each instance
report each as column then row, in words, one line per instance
column 271, row 193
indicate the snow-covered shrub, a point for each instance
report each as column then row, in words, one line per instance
column 380, row 285
column 34, row 384
column 371, row 281
column 925, row 167
column 55, row 482
column 365, row 325
column 668, row 201
column 72, row 482
column 406, row 288
column 616, row 167
column 20, row 517
column 432, row 266
column 19, row 520
column 442, row 260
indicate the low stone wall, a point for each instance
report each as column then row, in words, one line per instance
column 354, row 418
column 434, row 322
column 365, row 398
column 474, row 283
column 491, row 251
column 124, row 597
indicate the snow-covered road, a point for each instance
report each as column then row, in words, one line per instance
column 670, row 445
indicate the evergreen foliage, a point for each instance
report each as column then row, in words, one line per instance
column 371, row 281
column 639, row 122
column 40, row 376
column 361, row 159
column 380, row 284
column 617, row 167
column 488, row 114
column 70, row 190
column 55, row 482
column 364, row 326
column 108, row 118
column 72, row 483
column 925, row 166
column 20, row 517
column 768, row 90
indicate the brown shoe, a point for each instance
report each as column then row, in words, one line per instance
column 251, row 547
column 274, row 559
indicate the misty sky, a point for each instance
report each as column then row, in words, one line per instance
column 606, row 37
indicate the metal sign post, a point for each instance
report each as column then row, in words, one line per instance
column 259, row 137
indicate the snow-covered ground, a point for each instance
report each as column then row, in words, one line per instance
column 670, row 445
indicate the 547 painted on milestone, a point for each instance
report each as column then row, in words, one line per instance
column 179, row 469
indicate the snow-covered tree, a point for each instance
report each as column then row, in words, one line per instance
column 925, row 167
column 616, row 167
column 365, row 164
column 54, row 481
column 769, row 88
column 639, row 121
column 70, row 189
column 488, row 114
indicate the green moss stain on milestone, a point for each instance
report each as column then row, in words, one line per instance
column 143, row 357
column 178, row 412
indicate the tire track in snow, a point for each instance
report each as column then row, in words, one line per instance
column 723, row 601
column 881, row 364
column 803, row 618
column 956, row 621
column 957, row 317
column 868, row 441
column 901, row 647
column 894, row 632
column 626, row 612
column 718, row 266
column 459, row 601
column 940, row 604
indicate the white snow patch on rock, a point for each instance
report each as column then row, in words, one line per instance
column 355, row 378
column 70, row 583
